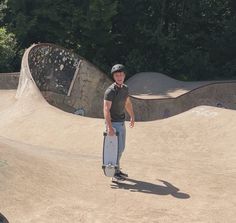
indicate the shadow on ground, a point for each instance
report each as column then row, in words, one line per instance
column 150, row 188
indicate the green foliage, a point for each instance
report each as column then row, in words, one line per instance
column 3, row 5
column 183, row 38
column 190, row 40
column 7, row 50
column 38, row 21
column 95, row 39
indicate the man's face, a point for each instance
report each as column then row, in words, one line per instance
column 119, row 77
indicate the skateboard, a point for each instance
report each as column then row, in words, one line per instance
column 110, row 154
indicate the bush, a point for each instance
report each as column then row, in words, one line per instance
column 7, row 50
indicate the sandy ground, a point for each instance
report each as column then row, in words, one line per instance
column 181, row 169
column 7, row 98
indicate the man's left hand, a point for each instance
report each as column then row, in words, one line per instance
column 131, row 124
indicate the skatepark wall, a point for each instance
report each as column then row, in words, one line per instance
column 89, row 88
column 73, row 84
column 9, row 80
column 66, row 80
column 214, row 94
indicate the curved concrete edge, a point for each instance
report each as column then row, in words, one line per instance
column 27, row 86
column 215, row 94
column 86, row 91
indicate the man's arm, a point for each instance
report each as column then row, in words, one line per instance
column 107, row 116
column 129, row 109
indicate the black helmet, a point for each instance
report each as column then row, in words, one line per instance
column 116, row 68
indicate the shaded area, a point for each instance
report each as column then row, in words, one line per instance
column 9, row 80
column 53, row 68
column 66, row 80
column 3, row 219
column 150, row 188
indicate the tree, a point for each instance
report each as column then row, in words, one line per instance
column 95, row 37
column 7, row 50
column 82, row 25
column 189, row 40
column 3, row 6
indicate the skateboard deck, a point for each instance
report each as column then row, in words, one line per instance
column 110, row 154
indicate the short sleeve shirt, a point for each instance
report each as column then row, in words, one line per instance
column 118, row 98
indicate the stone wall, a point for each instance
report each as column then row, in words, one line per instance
column 9, row 80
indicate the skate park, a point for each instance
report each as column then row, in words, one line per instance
column 180, row 155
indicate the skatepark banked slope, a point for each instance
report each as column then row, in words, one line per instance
column 156, row 96
column 66, row 80
column 181, row 169
column 78, row 87
column 74, row 85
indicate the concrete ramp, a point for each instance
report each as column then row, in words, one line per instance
column 151, row 85
column 65, row 80
column 181, row 169
column 72, row 84
column 50, row 168
column 156, row 96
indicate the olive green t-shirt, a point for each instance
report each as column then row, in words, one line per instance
column 117, row 95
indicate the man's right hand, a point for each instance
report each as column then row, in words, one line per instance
column 110, row 132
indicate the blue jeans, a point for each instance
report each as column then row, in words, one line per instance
column 120, row 128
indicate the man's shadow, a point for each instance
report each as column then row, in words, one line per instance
column 149, row 188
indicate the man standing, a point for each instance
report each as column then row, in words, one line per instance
column 116, row 101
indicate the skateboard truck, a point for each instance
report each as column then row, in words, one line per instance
column 105, row 134
column 109, row 170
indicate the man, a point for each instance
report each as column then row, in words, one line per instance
column 116, row 101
